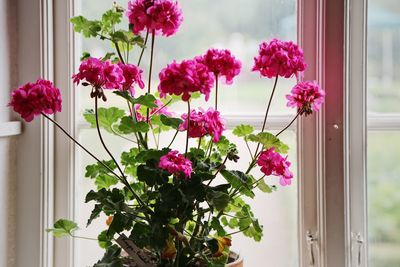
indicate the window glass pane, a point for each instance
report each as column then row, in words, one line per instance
column 383, row 56
column 383, row 146
column 209, row 23
column 384, row 198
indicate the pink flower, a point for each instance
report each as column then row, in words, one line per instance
column 221, row 63
column 203, row 123
column 132, row 76
column 162, row 16
column 272, row 163
column 176, row 163
column 159, row 110
column 185, row 78
column 306, row 97
column 280, row 58
column 100, row 74
column 32, row 99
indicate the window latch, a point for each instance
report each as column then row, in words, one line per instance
column 359, row 241
column 311, row 240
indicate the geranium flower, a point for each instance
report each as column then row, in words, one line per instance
column 203, row 123
column 279, row 58
column 185, row 78
column 162, row 16
column 100, row 74
column 306, row 97
column 221, row 63
column 32, row 99
column 176, row 163
column 132, row 75
column 272, row 163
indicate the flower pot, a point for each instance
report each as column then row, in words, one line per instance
column 237, row 260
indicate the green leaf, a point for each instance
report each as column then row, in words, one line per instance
column 85, row 55
column 104, row 240
column 216, row 225
column 89, row 28
column 243, row 130
column 218, row 199
column 129, row 158
column 107, row 117
column 147, row 100
column 264, row 187
column 109, row 19
column 172, row 122
column 240, row 181
column 105, row 181
column 92, row 171
column 151, row 154
column 111, row 258
column 95, row 214
column 107, row 56
column 129, row 125
column 269, row 140
column 119, row 223
column 152, row 175
column 62, row 228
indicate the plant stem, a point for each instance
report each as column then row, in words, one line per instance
column 173, row 139
column 143, row 48
column 119, row 52
column 216, row 92
column 81, row 146
column 238, row 231
column 198, row 146
column 101, row 136
column 153, row 37
column 249, row 149
column 123, row 177
column 219, row 170
column 82, row 237
column 188, row 129
column 287, row 126
column 267, row 111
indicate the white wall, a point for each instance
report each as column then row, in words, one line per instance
column 7, row 144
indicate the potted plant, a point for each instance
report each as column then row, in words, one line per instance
column 163, row 204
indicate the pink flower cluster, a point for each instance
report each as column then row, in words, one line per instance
column 203, row 123
column 176, row 163
column 100, row 74
column 185, row 78
column 272, row 163
column 161, row 16
column 160, row 109
column 106, row 75
column 279, row 58
column 306, row 97
column 132, row 76
column 221, row 63
column 32, row 99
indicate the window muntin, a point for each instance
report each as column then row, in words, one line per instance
column 222, row 27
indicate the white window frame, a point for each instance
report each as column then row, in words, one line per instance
column 321, row 138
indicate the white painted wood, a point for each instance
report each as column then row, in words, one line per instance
column 312, row 227
column 10, row 128
column 355, row 134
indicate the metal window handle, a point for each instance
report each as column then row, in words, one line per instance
column 311, row 239
column 360, row 241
